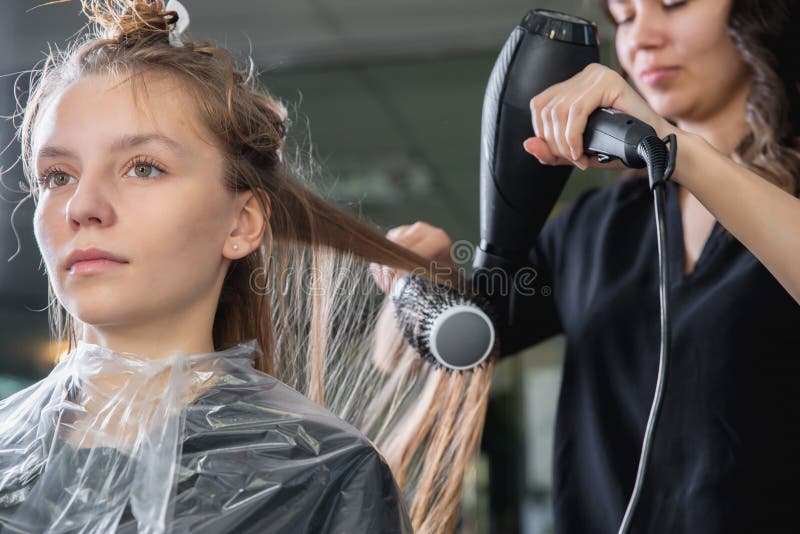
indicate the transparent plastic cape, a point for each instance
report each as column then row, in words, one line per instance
column 111, row 441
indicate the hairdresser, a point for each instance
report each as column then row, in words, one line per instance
column 722, row 75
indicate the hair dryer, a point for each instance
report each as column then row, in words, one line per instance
column 517, row 193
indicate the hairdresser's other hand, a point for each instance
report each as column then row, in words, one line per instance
column 426, row 240
column 560, row 112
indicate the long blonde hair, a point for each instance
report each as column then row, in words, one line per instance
column 306, row 293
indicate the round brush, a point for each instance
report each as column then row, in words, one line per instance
column 450, row 327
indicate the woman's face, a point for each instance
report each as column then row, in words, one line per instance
column 138, row 180
column 687, row 38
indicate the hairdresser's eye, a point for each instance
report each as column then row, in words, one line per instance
column 143, row 167
column 667, row 6
column 53, row 178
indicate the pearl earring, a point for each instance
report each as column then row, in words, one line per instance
column 235, row 246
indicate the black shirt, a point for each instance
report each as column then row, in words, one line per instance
column 726, row 453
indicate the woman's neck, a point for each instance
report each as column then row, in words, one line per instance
column 157, row 338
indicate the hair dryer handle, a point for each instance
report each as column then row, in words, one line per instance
column 611, row 134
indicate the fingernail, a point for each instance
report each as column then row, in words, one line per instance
column 385, row 280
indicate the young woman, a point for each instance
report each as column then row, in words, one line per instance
column 218, row 313
column 723, row 76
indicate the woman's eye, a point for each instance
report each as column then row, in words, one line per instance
column 54, row 179
column 143, row 170
column 666, row 6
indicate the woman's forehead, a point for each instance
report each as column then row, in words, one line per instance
column 104, row 109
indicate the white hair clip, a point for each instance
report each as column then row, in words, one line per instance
column 180, row 26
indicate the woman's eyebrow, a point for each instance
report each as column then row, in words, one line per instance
column 121, row 143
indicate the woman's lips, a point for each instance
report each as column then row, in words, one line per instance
column 657, row 76
column 93, row 266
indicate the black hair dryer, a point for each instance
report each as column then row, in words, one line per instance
column 517, row 192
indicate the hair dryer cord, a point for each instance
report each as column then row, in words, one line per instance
column 660, row 165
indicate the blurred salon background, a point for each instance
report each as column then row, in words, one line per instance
column 387, row 94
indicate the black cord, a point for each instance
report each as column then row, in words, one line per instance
column 660, row 164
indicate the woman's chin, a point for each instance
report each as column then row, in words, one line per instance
column 669, row 104
column 98, row 312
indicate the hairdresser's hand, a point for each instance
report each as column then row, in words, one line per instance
column 424, row 239
column 560, row 113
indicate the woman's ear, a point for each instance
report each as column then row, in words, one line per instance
column 250, row 224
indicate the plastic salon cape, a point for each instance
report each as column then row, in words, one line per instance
column 113, row 442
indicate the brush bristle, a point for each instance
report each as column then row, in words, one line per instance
column 419, row 302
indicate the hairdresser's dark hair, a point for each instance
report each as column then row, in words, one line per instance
column 765, row 34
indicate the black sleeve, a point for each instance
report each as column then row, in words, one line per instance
column 534, row 296
column 370, row 501
column 535, row 313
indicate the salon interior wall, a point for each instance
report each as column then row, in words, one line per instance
column 387, row 95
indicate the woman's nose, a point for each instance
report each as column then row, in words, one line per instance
column 91, row 202
column 649, row 28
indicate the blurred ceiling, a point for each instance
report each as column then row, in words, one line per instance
column 301, row 33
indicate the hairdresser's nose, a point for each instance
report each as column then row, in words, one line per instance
column 91, row 201
column 648, row 28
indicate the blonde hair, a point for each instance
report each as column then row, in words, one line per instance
column 305, row 294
